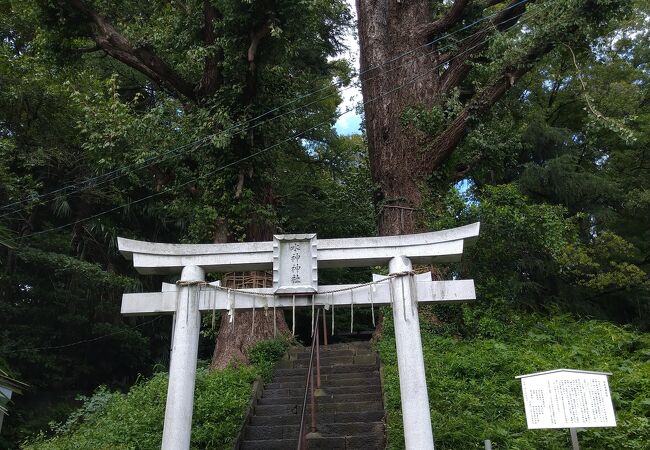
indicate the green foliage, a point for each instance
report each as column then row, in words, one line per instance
column 265, row 354
column 111, row 420
column 63, row 266
column 534, row 255
column 88, row 412
column 433, row 120
column 474, row 396
column 329, row 193
column 134, row 420
column 69, row 113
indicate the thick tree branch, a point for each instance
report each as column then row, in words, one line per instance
column 488, row 3
column 212, row 77
column 453, row 15
column 141, row 59
column 94, row 48
column 445, row 143
column 256, row 36
column 477, row 43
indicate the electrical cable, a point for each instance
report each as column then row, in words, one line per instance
column 84, row 341
column 93, row 181
column 266, row 149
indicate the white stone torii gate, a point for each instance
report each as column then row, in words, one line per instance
column 296, row 285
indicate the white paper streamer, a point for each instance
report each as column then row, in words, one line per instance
column 351, row 310
column 313, row 307
column 372, row 303
column 275, row 320
column 414, row 293
column 332, row 302
column 229, row 297
column 293, row 314
column 253, row 323
column 401, row 282
column 213, row 297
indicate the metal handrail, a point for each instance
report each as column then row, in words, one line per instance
column 309, row 382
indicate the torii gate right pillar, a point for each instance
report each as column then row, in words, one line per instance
column 410, row 361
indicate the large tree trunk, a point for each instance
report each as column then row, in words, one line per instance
column 404, row 65
column 235, row 339
column 386, row 30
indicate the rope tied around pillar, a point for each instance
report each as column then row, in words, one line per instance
column 185, row 283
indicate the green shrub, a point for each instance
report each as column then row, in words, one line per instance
column 134, row 420
column 474, row 395
column 265, row 354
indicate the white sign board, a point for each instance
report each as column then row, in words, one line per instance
column 567, row 398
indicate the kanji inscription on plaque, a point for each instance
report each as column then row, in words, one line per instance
column 567, row 398
column 295, row 268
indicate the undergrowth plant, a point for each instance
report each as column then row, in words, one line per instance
column 134, row 421
column 473, row 393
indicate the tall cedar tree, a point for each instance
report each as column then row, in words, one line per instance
column 446, row 82
column 240, row 41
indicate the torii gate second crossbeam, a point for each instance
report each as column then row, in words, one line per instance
column 295, row 283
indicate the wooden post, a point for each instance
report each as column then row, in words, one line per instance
column 574, row 439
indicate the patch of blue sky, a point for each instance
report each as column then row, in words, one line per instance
column 348, row 124
column 464, row 188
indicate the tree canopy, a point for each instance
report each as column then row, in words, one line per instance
column 212, row 121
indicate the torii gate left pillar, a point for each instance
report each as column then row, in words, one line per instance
column 398, row 252
column 177, row 429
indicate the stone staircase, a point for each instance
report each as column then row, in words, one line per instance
column 349, row 412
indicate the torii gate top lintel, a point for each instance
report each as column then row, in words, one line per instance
column 422, row 248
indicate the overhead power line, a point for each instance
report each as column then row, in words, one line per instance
column 125, row 170
column 277, row 144
column 83, row 341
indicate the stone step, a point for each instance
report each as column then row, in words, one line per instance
column 368, row 441
column 332, row 351
column 287, row 410
column 349, row 414
column 325, row 376
column 337, row 380
column 326, row 398
column 325, row 370
column 336, row 417
column 360, row 360
column 260, row 432
column 332, row 390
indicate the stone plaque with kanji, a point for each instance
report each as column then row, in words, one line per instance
column 295, row 267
